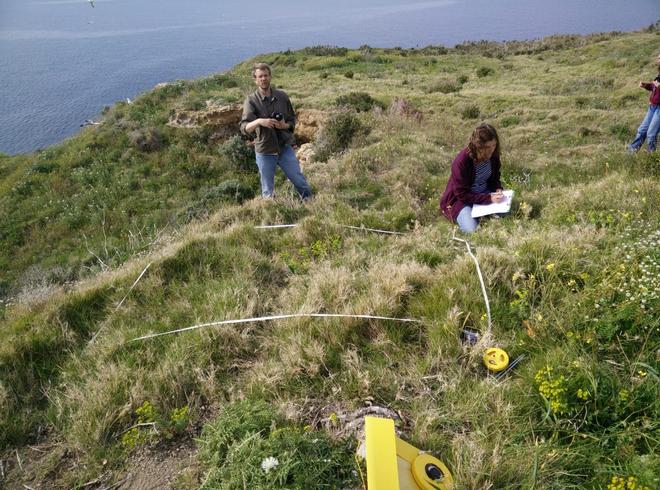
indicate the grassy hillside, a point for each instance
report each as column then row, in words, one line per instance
column 572, row 277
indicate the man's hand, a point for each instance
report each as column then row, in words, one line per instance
column 281, row 124
column 268, row 122
column 262, row 121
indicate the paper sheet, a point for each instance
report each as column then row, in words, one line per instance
column 479, row 210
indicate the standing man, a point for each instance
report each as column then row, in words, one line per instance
column 268, row 117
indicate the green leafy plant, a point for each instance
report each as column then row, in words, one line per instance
column 247, row 446
column 357, row 101
column 151, row 424
column 239, row 153
column 470, row 111
column 484, row 71
column 444, row 86
column 337, row 134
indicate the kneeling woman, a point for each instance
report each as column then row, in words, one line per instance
column 475, row 178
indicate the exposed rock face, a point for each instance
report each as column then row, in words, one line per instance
column 305, row 153
column 225, row 119
column 308, row 123
column 212, row 115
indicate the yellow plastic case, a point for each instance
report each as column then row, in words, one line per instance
column 393, row 464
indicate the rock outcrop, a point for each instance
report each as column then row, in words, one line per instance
column 225, row 120
column 305, row 153
column 308, row 123
column 212, row 115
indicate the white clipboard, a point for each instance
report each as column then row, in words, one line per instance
column 479, row 210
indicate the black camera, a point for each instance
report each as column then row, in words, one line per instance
column 277, row 116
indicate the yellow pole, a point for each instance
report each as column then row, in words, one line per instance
column 382, row 472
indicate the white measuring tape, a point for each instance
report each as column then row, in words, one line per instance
column 361, row 228
column 315, row 315
column 275, row 317
column 481, row 278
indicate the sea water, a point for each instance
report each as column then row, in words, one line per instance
column 62, row 61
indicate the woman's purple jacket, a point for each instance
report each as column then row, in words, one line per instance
column 655, row 91
column 458, row 192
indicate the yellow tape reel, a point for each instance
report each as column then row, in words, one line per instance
column 495, row 359
column 394, row 464
column 430, row 473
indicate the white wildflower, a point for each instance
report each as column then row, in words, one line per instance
column 269, row 463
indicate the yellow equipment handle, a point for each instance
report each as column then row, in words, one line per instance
column 393, row 464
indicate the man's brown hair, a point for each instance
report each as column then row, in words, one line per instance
column 260, row 66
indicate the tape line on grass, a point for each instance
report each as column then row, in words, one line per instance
column 481, row 278
column 122, row 300
column 324, row 315
column 360, row 228
column 275, row 317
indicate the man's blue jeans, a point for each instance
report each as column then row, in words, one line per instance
column 648, row 130
column 290, row 166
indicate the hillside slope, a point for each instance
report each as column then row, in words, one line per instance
column 572, row 278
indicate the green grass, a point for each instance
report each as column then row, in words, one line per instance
column 572, row 276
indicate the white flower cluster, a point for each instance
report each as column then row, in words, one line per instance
column 639, row 270
column 269, row 463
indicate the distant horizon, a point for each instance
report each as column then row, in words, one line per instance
column 62, row 61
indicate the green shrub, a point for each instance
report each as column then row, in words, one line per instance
column 325, row 63
column 470, row 111
column 338, row 132
column 147, row 139
column 444, row 86
column 245, row 448
column 584, row 132
column 228, row 191
column 357, row 101
column 507, row 121
column 234, row 423
column 348, row 74
column 581, row 102
column 225, row 81
column 43, row 167
column 621, row 131
column 484, row 71
column 151, row 424
column 195, row 102
column 239, row 153
column 232, row 189
column 199, row 170
column 325, row 51
column 433, row 50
